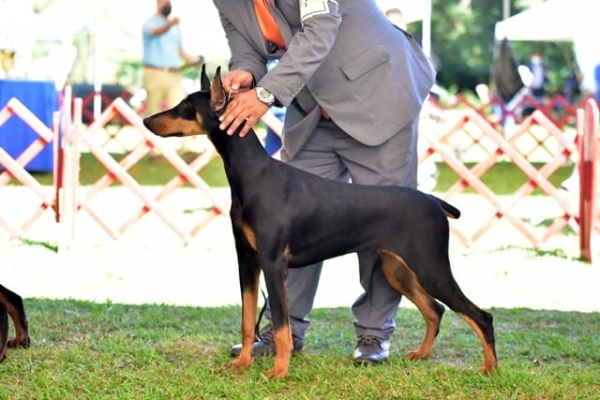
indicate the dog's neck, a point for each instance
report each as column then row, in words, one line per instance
column 244, row 158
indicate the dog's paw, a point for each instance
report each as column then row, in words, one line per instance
column 489, row 368
column 240, row 363
column 276, row 373
column 19, row 342
column 417, row 355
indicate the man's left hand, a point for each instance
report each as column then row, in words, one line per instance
column 245, row 107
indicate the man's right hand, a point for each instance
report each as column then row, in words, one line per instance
column 237, row 81
column 161, row 30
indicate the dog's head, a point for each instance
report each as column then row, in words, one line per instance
column 197, row 114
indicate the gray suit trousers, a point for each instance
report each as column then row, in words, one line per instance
column 330, row 153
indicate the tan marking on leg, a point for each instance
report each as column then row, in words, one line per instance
column 403, row 279
column 490, row 363
column 282, row 338
column 249, row 234
column 249, row 306
column 283, row 352
column 287, row 254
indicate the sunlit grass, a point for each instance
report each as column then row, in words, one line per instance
column 88, row 350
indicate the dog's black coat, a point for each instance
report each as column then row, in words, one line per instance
column 284, row 218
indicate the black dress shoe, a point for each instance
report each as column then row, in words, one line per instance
column 264, row 346
column 371, row 350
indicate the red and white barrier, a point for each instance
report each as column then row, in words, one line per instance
column 471, row 177
column 68, row 135
column 14, row 168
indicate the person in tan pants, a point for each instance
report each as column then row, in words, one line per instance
column 163, row 52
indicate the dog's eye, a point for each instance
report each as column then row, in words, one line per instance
column 187, row 109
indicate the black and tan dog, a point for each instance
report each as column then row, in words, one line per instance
column 11, row 305
column 284, row 218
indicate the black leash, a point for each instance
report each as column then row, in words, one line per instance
column 260, row 315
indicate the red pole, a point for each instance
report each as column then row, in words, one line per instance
column 588, row 160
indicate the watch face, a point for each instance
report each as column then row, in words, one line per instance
column 265, row 96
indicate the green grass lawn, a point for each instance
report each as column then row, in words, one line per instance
column 502, row 178
column 83, row 350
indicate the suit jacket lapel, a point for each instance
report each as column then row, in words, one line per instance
column 247, row 15
column 284, row 27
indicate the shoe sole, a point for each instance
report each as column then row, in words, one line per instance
column 369, row 362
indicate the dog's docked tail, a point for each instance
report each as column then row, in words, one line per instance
column 451, row 211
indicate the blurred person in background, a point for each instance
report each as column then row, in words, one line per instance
column 163, row 52
column 539, row 77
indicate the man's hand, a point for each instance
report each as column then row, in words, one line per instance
column 245, row 107
column 238, row 81
column 161, row 30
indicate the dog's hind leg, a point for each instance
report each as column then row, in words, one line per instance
column 445, row 288
column 481, row 322
column 16, row 310
column 403, row 279
column 249, row 274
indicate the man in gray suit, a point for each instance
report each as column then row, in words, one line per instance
column 353, row 85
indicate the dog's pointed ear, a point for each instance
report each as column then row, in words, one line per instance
column 218, row 98
column 204, row 81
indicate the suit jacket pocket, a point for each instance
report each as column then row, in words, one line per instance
column 365, row 62
column 298, row 126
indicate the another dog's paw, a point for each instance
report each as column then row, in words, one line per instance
column 19, row 342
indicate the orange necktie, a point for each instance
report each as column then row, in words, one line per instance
column 267, row 24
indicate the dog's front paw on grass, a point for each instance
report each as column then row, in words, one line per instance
column 417, row 355
column 276, row 373
column 488, row 369
column 240, row 363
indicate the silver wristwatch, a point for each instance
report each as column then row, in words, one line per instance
column 264, row 95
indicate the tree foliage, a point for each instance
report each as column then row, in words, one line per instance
column 463, row 43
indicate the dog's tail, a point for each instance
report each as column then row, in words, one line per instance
column 451, row 211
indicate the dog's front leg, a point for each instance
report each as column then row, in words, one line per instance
column 276, row 281
column 249, row 274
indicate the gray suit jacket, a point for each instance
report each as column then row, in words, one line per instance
column 349, row 59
